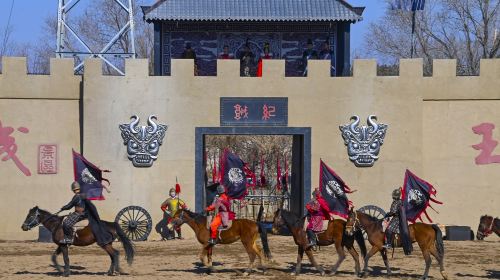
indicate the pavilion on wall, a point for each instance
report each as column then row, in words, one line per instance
column 285, row 27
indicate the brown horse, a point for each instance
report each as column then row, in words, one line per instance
column 428, row 237
column 84, row 237
column 487, row 225
column 333, row 235
column 242, row 229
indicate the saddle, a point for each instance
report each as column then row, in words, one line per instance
column 324, row 227
column 221, row 228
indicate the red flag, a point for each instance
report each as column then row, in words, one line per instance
column 214, row 170
column 177, row 186
column 278, row 174
column 259, row 68
column 262, row 173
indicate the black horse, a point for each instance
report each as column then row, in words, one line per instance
column 84, row 237
column 487, row 225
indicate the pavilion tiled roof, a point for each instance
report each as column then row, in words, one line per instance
column 252, row 10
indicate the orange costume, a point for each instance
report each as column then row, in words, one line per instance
column 224, row 214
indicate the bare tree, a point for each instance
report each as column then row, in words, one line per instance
column 465, row 30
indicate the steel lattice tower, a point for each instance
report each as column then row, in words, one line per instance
column 65, row 6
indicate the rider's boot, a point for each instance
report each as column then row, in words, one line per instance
column 170, row 235
column 68, row 236
column 311, row 237
column 212, row 241
column 389, row 237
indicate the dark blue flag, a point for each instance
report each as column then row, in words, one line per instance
column 333, row 192
column 234, row 176
column 408, row 5
column 88, row 176
column 417, row 197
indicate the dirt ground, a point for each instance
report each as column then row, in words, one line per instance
column 178, row 260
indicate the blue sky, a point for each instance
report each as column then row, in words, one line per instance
column 28, row 17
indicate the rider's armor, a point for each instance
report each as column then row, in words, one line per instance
column 393, row 227
column 74, row 217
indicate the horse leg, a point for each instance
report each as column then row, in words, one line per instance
column 440, row 260
column 355, row 256
column 370, row 253
column 428, row 261
column 383, row 252
column 204, row 256
column 341, row 254
column 111, row 252
column 260, row 255
column 313, row 261
column 67, row 271
column 209, row 256
column 251, row 255
column 54, row 258
column 300, row 255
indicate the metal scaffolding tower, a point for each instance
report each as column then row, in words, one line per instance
column 65, row 6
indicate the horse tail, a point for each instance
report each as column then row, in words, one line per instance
column 263, row 234
column 360, row 239
column 127, row 244
column 439, row 241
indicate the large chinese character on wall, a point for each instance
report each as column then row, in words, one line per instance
column 47, row 159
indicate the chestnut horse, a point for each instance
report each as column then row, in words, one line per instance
column 242, row 229
column 487, row 225
column 84, row 237
column 428, row 237
column 333, row 235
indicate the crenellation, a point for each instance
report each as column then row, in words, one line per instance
column 364, row 68
column 14, row 66
column 490, row 68
column 92, row 67
column 62, row 67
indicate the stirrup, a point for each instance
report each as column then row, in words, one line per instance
column 66, row 241
column 212, row 241
column 387, row 246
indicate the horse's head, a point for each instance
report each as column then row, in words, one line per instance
column 32, row 219
column 178, row 218
column 277, row 221
column 485, row 227
column 352, row 223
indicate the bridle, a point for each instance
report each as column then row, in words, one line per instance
column 355, row 224
column 35, row 221
column 487, row 232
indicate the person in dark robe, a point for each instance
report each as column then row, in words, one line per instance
column 247, row 59
column 309, row 53
column 84, row 209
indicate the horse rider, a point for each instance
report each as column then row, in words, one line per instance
column 393, row 227
column 78, row 201
column 170, row 207
column 222, row 205
column 316, row 214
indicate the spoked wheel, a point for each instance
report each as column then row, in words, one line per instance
column 136, row 222
column 373, row 211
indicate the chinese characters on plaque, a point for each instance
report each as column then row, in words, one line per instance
column 244, row 111
column 47, row 159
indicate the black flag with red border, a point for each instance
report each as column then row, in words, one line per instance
column 89, row 177
column 417, row 195
column 333, row 191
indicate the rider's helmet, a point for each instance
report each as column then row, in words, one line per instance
column 221, row 189
column 396, row 194
column 172, row 192
column 75, row 186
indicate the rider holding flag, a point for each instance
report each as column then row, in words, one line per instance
column 316, row 214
